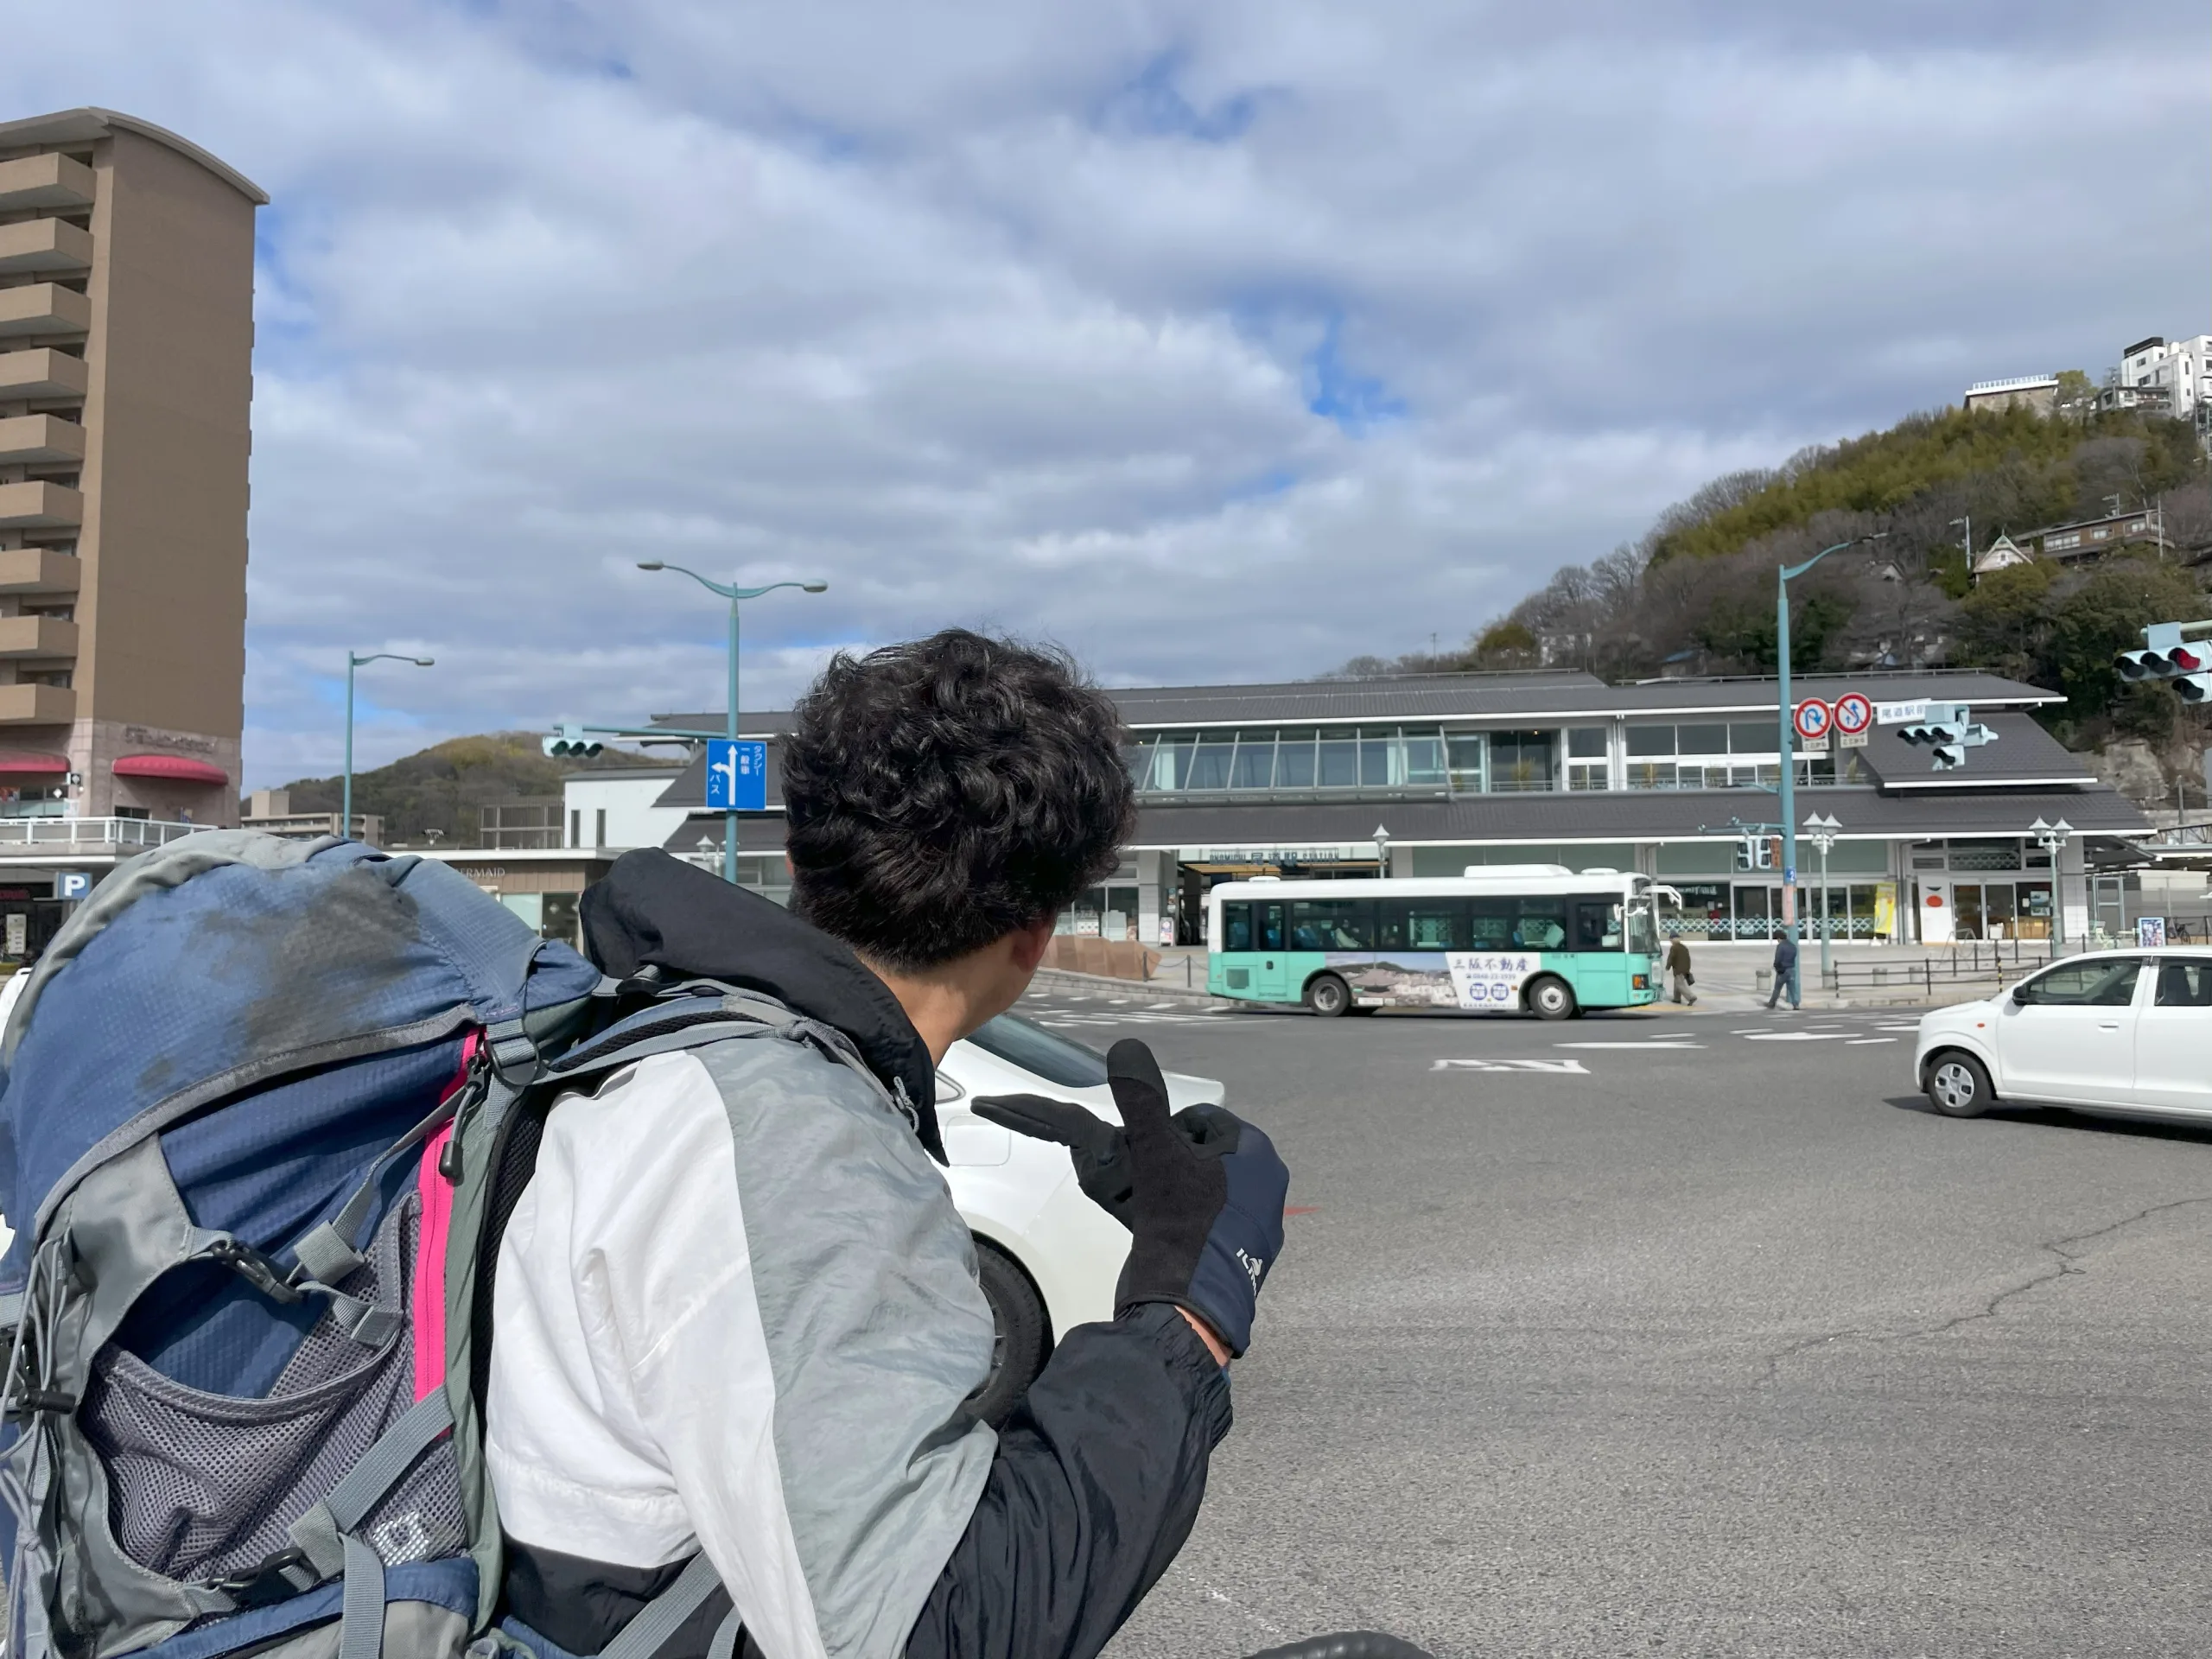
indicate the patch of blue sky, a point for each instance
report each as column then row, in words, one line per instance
column 1276, row 480
column 1152, row 102
column 1357, row 403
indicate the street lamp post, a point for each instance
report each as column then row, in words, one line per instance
column 1381, row 851
column 1823, row 831
column 353, row 660
column 1784, row 574
column 734, row 594
column 2052, row 838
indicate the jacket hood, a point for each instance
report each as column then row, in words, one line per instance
column 654, row 909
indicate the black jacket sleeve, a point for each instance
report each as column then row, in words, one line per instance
column 1096, row 1486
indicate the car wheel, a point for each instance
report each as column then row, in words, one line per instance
column 1958, row 1086
column 1327, row 995
column 1022, row 1339
column 1550, row 998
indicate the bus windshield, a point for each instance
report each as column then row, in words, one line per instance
column 1642, row 929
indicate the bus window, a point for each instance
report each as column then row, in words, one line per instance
column 1331, row 924
column 1490, row 924
column 1436, row 925
column 1270, row 919
column 1597, row 924
column 1236, row 927
column 1539, row 923
column 1420, row 923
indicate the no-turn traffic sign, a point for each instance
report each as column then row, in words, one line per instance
column 1812, row 719
column 1854, row 714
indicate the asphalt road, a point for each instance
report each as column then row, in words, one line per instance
column 1696, row 1334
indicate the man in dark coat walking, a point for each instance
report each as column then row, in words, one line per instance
column 1785, row 971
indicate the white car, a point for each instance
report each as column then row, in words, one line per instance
column 1048, row 1257
column 2122, row 1030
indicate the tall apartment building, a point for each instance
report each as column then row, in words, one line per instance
column 2176, row 372
column 126, row 343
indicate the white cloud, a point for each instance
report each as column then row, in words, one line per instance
column 1038, row 316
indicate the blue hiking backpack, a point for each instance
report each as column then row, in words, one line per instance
column 249, row 1125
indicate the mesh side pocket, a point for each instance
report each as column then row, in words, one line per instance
column 203, row 1484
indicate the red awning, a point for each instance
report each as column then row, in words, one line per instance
column 176, row 768
column 31, row 760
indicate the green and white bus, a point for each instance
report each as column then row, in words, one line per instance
column 1501, row 938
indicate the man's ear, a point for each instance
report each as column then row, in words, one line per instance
column 1029, row 944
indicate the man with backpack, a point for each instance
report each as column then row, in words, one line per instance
column 389, row 1280
column 736, row 1312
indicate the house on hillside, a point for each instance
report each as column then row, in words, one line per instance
column 2086, row 538
column 2000, row 555
column 2036, row 392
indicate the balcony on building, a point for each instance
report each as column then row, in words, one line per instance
column 36, row 705
column 38, row 308
column 39, row 570
column 41, row 440
column 45, row 244
column 39, row 505
column 42, row 374
column 37, row 636
column 55, row 180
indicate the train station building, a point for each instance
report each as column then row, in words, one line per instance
column 1426, row 775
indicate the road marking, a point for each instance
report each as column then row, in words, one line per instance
column 1556, row 1067
column 1914, row 1027
column 1752, row 1031
column 1645, row 1046
column 1861, row 1042
column 1793, row 1036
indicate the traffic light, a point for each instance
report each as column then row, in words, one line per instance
column 2166, row 655
column 1948, row 733
column 1755, row 852
column 569, row 743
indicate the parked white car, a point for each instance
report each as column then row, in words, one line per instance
column 2121, row 1031
column 1048, row 1257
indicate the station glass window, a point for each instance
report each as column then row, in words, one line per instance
column 1254, row 767
column 1645, row 740
column 1209, row 765
column 1466, row 752
column 1520, row 761
column 1295, row 760
column 1340, row 763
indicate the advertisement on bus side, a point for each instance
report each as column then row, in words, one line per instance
column 1442, row 979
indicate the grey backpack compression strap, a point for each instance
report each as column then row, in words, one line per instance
column 662, row 1617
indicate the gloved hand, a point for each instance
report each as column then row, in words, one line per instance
column 1200, row 1191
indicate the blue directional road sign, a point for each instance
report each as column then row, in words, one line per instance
column 737, row 775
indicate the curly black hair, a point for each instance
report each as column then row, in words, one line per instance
column 943, row 793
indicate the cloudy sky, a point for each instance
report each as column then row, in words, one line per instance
column 1216, row 340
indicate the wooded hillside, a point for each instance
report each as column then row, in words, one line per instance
column 442, row 787
column 1696, row 594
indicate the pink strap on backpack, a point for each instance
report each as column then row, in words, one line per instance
column 427, row 1301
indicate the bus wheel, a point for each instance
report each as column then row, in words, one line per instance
column 1549, row 999
column 1327, row 995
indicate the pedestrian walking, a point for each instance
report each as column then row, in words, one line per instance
column 1678, row 973
column 1785, row 971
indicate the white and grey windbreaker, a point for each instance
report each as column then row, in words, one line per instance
column 735, row 1313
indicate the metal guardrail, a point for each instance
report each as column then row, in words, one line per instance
column 2001, row 960
column 65, row 835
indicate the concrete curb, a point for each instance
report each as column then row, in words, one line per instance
column 1154, row 990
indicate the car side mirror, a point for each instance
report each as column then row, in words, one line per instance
column 2020, row 994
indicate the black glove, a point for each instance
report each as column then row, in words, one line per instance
column 1200, row 1191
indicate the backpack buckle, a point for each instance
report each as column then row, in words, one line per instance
column 256, row 1269
column 270, row 1582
